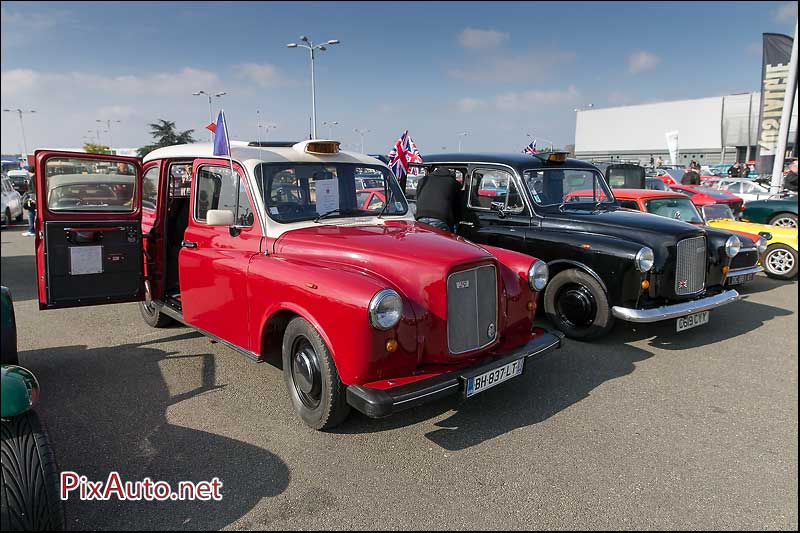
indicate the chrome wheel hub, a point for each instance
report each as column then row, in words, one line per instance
column 780, row 262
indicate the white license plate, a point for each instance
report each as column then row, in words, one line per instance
column 489, row 379
column 693, row 320
column 737, row 280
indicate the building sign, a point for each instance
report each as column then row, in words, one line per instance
column 774, row 75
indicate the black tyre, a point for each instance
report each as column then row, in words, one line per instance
column 29, row 500
column 787, row 220
column 315, row 389
column 577, row 304
column 153, row 317
column 780, row 261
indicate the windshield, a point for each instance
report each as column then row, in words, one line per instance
column 718, row 212
column 676, row 208
column 676, row 173
column 305, row 191
column 574, row 188
column 714, row 193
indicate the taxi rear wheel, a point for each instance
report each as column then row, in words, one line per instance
column 153, row 317
column 780, row 262
column 577, row 304
column 312, row 380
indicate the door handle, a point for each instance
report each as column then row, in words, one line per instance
column 470, row 224
column 188, row 244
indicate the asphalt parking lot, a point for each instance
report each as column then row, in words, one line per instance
column 647, row 428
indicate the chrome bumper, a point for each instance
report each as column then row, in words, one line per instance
column 676, row 310
column 744, row 271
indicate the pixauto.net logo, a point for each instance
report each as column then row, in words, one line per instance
column 146, row 489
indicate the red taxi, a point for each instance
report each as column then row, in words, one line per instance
column 273, row 254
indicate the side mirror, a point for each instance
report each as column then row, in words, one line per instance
column 499, row 207
column 219, row 217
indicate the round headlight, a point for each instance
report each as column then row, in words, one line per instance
column 761, row 245
column 645, row 259
column 732, row 246
column 385, row 309
column 538, row 275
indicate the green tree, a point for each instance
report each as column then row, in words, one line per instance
column 165, row 134
column 92, row 148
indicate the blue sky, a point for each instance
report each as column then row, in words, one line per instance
column 496, row 70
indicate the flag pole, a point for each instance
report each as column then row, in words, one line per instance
column 230, row 159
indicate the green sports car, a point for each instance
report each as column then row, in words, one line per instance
column 778, row 212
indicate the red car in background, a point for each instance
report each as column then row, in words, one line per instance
column 707, row 196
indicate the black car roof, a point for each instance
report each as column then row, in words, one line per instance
column 520, row 161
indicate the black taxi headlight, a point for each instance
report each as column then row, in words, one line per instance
column 538, row 274
column 732, row 246
column 385, row 309
column 645, row 259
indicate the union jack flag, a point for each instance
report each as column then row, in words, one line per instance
column 531, row 148
column 404, row 152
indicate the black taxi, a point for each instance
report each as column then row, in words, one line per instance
column 605, row 263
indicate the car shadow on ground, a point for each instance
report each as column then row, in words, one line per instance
column 549, row 385
column 762, row 283
column 732, row 320
column 18, row 273
column 113, row 400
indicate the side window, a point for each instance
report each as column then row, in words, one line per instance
column 216, row 189
column 629, row 204
column 735, row 188
column 150, row 188
column 95, row 185
column 180, row 180
column 494, row 186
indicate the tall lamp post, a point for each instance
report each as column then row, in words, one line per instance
column 462, row 134
column 108, row 122
column 210, row 112
column 310, row 46
column 20, row 112
column 361, row 133
column 330, row 127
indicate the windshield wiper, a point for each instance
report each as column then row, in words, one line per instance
column 338, row 210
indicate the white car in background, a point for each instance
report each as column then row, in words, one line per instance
column 12, row 203
column 744, row 188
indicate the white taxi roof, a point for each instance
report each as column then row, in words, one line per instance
column 242, row 152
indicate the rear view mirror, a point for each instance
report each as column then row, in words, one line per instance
column 219, row 217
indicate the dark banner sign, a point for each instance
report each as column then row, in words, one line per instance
column 774, row 74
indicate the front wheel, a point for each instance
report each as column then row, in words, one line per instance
column 315, row 389
column 780, row 262
column 577, row 304
column 786, row 220
column 29, row 500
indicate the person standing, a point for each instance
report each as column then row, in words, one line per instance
column 659, row 162
column 734, row 171
column 439, row 199
column 745, row 173
column 790, row 180
column 690, row 177
column 29, row 203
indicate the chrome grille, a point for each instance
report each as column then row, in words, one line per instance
column 471, row 309
column 690, row 268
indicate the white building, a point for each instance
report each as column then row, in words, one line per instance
column 715, row 130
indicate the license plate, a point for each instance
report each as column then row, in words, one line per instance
column 489, row 379
column 736, row 280
column 693, row 320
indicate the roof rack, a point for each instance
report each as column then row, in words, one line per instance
column 272, row 144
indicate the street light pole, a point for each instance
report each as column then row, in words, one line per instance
column 361, row 133
column 310, row 46
column 21, row 127
column 107, row 122
column 330, row 127
column 462, row 134
column 210, row 111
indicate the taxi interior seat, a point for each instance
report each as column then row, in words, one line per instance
column 177, row 222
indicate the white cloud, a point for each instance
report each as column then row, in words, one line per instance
column 470, row 104
column 17, row 81
column 642, row 61
column 478, row 39
column 22, row 28
column 264, row 75
column 526, row 100
column 785, row 13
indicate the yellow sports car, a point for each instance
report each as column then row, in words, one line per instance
column 780, row 258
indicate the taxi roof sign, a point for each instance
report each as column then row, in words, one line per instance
column 552, row 157
column 318, row 147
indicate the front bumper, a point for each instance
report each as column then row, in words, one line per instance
column 744, row 271
column 378, row 403
column 666, row 312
